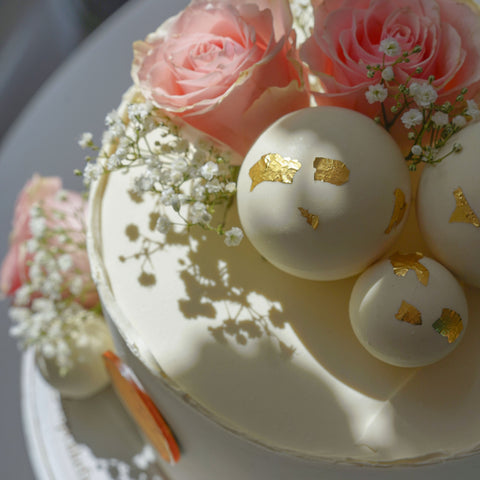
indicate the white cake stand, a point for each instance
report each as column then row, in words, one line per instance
column 92, row 439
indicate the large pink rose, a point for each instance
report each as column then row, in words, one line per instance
column 227, row 68
column 63, row 209
column 348, row 33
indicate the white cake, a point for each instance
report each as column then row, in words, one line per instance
column 257, row 372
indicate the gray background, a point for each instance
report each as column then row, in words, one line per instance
column 36, row 37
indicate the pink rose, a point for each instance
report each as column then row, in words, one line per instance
column 348, row 33
column 63, row 209
column 227, row 68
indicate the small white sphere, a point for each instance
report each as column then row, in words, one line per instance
column 408, row 317
column 323, row 192
column 448, row 207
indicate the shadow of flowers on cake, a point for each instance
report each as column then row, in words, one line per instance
column 215, row 282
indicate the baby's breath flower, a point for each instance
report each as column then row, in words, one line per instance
column 387, row 74
column 76, row 285
column 38, row 225
column 389, row 46
column 412, row 118
column 459, row 121
column 163, row 224
column 176, row 201
column 167, row 196
column 423, row 94
column 32, row 245
column 198, row 213
column 176, row 177
column 178, row 171
column 113, row 161
column 86, row 140
column 231, row 187
column 179, row 164
column 112, row 118
column 213, row 186
column 376, row 93
column 233, row 237
column 303, row 16
column 65, row 262
column 52, row 285
column 92, row 172
column 198, row 192
column 417, row 150
column 472, row 110
column 36, row 211
column 209, row 170
column 440, row 119
column 36, row 274
column 22, row 295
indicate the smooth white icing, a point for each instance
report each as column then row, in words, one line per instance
column 292, row 376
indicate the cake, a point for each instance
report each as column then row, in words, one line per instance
column 262, row 368
column 258, row 373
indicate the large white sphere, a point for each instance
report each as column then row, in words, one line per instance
column 323, row 192
column 410, row 318
column 448, row 207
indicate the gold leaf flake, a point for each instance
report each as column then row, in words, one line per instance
column 272, row 167
column 403, row 262
column 409, row 314
column 449, row 325
column 463, row 212
column 399, row 210
column 311, row 218
column 330, row 171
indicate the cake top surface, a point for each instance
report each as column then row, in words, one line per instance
column 270, row 355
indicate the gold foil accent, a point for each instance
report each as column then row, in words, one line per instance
column 403, row 262
column 409, row 314
column 463, row 212
column 330, row 171
column 449, row 325
column 272, row 167
column 311, row 218
column 399, row 210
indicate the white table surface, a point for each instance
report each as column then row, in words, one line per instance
column 44, row 140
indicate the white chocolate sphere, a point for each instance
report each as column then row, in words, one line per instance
column 448, row 207
column 323, row 192
column 386, row 309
